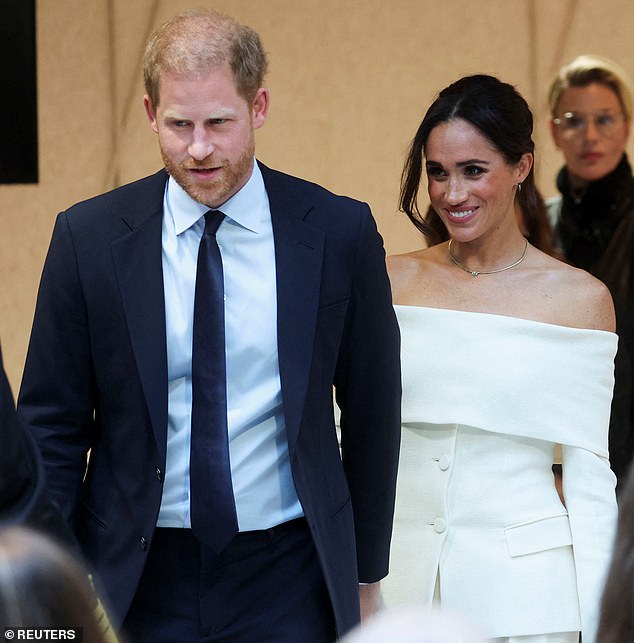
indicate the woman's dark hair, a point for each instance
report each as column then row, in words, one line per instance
column 501, row 115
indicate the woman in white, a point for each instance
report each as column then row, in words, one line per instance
column 506, row 352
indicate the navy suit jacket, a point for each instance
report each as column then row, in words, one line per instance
column 96, row 378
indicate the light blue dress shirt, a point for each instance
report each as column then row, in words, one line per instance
column 262, row 482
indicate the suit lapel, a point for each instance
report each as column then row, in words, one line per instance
column 298, row 254
column 299, row 251
column 138, row 262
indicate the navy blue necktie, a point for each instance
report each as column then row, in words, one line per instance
column 212, row 505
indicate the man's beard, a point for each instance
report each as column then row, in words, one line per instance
column 232, row 177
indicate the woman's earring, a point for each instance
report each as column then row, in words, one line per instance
column 519, row 187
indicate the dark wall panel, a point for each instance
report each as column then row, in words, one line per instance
column 18, row 92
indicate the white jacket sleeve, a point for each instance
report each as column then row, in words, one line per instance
column 588, row 486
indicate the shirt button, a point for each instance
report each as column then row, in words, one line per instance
column 440, row 524
column 159, row 474
column 444, row 462
column 143, row 543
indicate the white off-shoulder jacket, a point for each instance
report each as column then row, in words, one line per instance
column 478, row 519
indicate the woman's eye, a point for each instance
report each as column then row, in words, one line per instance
column 435, row 171
column 473, row 170
column 575, row 122
column 605, row 120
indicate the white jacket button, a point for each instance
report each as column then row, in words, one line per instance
column 444, row 462
column 440, row 524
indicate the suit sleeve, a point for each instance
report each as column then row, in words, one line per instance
column 368, row 392
column 56, row 401
column 24, row 498
column 588, row 485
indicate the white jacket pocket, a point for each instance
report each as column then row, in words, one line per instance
column 538, row 535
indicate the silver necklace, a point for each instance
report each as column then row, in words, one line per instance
column 475, row 273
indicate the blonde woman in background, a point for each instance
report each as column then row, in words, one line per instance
column 593, row 217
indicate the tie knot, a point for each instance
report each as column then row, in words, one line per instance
column 213, row 219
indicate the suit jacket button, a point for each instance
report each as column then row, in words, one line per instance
column 159, row 474
column 440, row 524
column 143, row 543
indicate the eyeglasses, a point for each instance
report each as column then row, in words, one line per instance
column 573, row 124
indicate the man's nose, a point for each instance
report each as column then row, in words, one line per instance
column 201, row 145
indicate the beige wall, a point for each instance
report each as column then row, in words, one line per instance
column 349, row 80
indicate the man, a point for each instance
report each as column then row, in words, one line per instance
column 177, row 398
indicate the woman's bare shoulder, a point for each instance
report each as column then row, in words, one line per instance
column 406, row 270
column 414, row 260
column 583, row 299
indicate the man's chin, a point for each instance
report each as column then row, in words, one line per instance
column 211, row 196
column 212, row 192
column 207, row 197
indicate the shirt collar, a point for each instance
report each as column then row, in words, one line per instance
column 244, row 208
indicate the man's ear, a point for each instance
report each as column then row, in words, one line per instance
column 260, row 107
column 151, row 112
